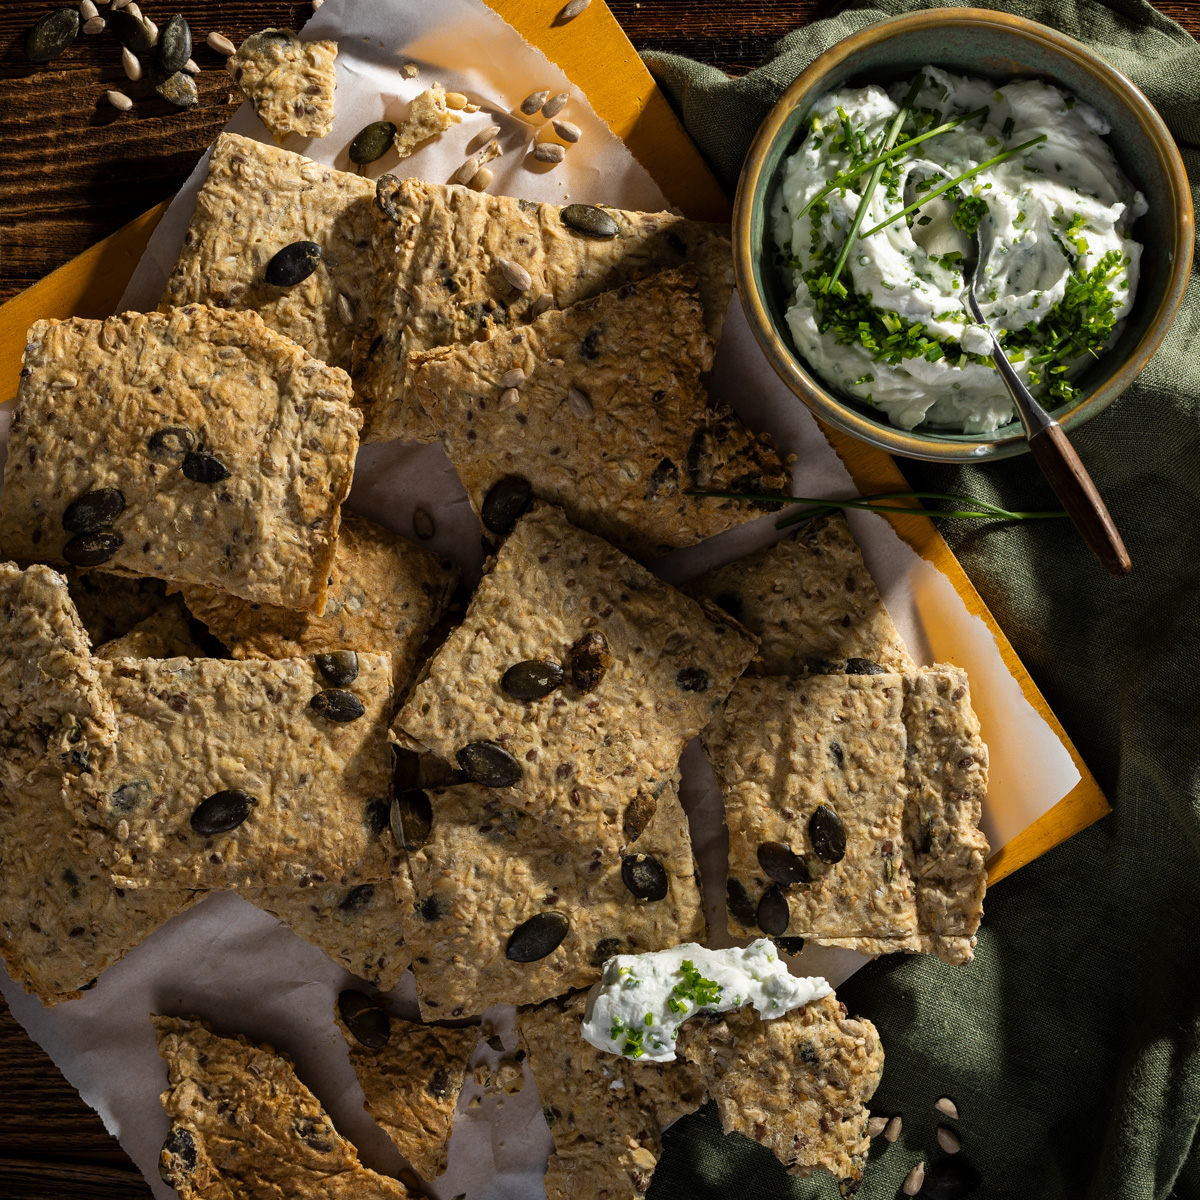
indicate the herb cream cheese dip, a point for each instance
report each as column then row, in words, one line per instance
column 642, row 999
column 1053, row 210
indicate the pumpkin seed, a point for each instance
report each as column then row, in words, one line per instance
column 573, row 9
column 51, row 34
column 171, row 442
column 876, row 1125
column 605, row 949
column 412, row 818
column 422, row 523
column 174, row 45
column 692, row 679
column 293, row 264
column 828, row 834
column 537, row 937
column 789, row 945
column 93, row 511
column 863, row 666
column 891, row 1131
column 739, row 903
column 549, row 152
column 130, row 65
column 948, row 1140
column 773, row 915
column 180, row 1152
column 782, row 864
column 504, row 503
column 372, row 142
column 568, row 131
column 340, row 667
column 590, row 658
column 94, row 25
column 336, row 705
column 951, row 1179
column 200, row 467
column 590, row 221
column 555, row 105
column 913, row 1180
column 375, row 816
column 534, row 101
column 178, row 89
column 947, row 1108
column 222, row 812
column 128, row 796
column 639, row 813
column 221, row 44
column 369, row 1024
column 92, row 549
column 357, row 899
column 130, row 31
column 644, row 876
column 531, row 679
column 514, row 274
column 579, row 404
column 489, row 764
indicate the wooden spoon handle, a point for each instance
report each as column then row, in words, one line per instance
column 1078, row 495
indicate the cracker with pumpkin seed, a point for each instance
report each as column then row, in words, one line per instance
column 411, row 1076
column 290, row 83
column 600, row 406
column 196, row 446
column 164, row 634
column 241, row 774
column 384, row 594
column 812, row 601
column 255, row 202
column 279, row 1142
column 501, row 908
column 440, row 254
column 606, row 1113
column 427, row 118
column 575, row 680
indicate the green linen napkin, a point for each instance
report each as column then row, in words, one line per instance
column 1072, row 1044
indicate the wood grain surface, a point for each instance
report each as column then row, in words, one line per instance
column 73, row 170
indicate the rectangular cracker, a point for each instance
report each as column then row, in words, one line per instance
column 798, row 1084
column 385, row 594
column 192, row 728
column 580, row 755
column 411, row 1084
column 437, row 258
column 606, row 1113
column 811, row 600
column 608, row 417
column 290, row 83
column 243, row 1126
column 164, row 634
column 149, row 405
column 484, row 870
column 257, row 199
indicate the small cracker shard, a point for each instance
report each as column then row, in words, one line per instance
column 230, row 450
column 164, row 634
column 313, row 791
column 411, row 1085
column 432, row 292
column 610, row 419
column 427, row 118
column 811, row 600
column 384, row 595
column 606, row 1113
column 290, row 83
column 282, row 1142
column 257, row 199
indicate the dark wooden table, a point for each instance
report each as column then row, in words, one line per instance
column 73, row 170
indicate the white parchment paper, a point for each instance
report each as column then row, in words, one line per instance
column 240, row 968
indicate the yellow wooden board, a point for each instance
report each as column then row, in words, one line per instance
column 595, row 54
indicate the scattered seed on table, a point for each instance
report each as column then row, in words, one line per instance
column 948, row 1140
column 892, row 1130
column 555, row 104
column 94, row 25
column 174, row 45
column 345, row 311
column 466, row 172
column 542, row 304
column 514, row 274
column 480, row 180
column 455, row 100
column 372, row 142
column 947, row 1108
column 133, row 11
column 568, row 131
column 191, row 67
column 119, row 101
column 914, row 1179
column 875, row 1126
column 50, row 35
column 151, row 30
column 573, row 9
column 422, row 523
column 513, row 378
column 119, row 4
column 317, row 4
column 130, row 31
column 534, row 101
column 133, row 68
column 178, row 89
column 410, row 70
column 485, row 135
column 221, row 44
column 509, row 397
column 579, row 404
column 549, row 152
column 87, row 10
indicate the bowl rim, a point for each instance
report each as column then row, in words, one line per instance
column 786, row 362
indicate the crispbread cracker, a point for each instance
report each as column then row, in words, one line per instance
column 486, row 869
column 290, row 83
column 243, row 1127
column 164, row 634
column 811, row 600
column 257, row 199
column 608, row 419
column 412, row 1084
column 385, row 594
column 151, row 404
column 439, row 283
column 193, row 728
column 427, row 117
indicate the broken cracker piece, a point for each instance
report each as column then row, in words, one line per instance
column 290, row 83
column 427, row 118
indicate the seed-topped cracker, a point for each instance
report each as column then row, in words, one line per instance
column 812, row 601
column 798, row 1084
column 501, row 908
column 242, row 774
column 600, row 406
column 606, row 1113
column 196, row 445
column 243, row 1125
column 164, row 634
column 454, row 265
column 427, row 118
column 411, row 1076
column 290, row 83
column 576, row 678
column 384, row 594
column 255, row 202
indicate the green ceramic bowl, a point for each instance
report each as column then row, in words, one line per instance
column 970, row 41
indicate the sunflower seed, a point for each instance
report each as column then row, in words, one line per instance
column 568, row 131
column 222, row 812
column 191, row 67
column 178, row 89
column 221, row 44
column 773, row 915
column 509, row 397
column 590, row 659
column 116, row 4
column 514, row 274
column 345, row 309
column 489, row 764
column 87, row 10
column 411, row 818
column 455, row 100
column 892, row 1130
column 644, row 876
column 422, row 523
column 555, row 105
column 336, row 705
column 549, row 152
column 828, row 834
column 573, row 9
column 91, row 549
column 485, row 135
column 589, row 220
column 505, row 502
column 293, row 264
column 534, row 101
column 947, row 1108
column 466, row 172
column 480, row 180
column 692, row 679
column 204, row 468
column 914, row 1179
column 119, row 101
column 340, row 667
column 133, row 68
column 782, row 864
column 542, row 304
column 948, row 1140
column 317, row 4
column 130, row 30
column 174, row 44
column 875, row 1126
column 134, row 10
column 94, row 25
column 151, row 31
column 372, row 142
column 93, row 511
column 513, row 378
column 410, row 70
column 537, row 937
column 367, row 1022
column 579, row 404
